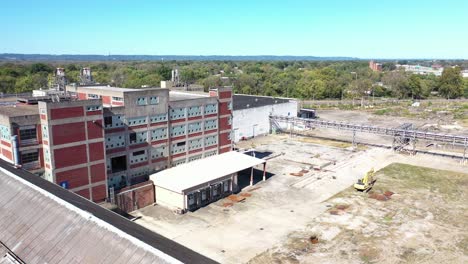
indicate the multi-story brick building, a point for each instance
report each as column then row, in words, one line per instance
column 115, row 137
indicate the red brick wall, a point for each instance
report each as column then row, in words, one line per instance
column 70, row 156
column 99, row 193
column 98, row 173
column 223, row 108
column 68, row 112
column 224, row 123
column 68, row 133
column 225, row 94
column 224, row 139
column 75, row 177
column 141, row 194
column 84, row 193
column 95, row 129
column 96, row 151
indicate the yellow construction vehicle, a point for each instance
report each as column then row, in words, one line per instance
column 366, row 183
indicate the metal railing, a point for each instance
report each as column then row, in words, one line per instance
column 456, row 140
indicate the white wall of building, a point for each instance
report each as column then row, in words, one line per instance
column 252, row 122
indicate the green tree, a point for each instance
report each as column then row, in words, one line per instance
column 415, row 86
column 451, row 83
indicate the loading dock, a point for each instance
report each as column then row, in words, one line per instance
column 196, row 184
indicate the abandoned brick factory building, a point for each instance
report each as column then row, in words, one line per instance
column 100, row 137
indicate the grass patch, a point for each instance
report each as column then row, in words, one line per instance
column 381, row 111
column 414, row 177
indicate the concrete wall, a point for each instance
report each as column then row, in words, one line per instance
column 252, row 122
column 169, row 198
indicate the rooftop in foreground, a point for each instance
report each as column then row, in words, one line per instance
column 44, row 223
column 185, row 176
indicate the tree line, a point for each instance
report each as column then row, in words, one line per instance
column 299, row 79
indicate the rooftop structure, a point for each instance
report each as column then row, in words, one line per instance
column 200, row 172
column 196, row 184
column 43, row 223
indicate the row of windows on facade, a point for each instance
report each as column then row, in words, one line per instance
column 117, row 141
column 176, row 113
column 141, row 155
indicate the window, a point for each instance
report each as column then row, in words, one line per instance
column 115, row 141
column 5, row 132
column 197, row 157
column 211, row 109
column 194, row 111
column 194, row 127
column 93, row 96
column 195, row 144
column 158, row 134
column 158, row 152
column 211, row 153
column 211, row 124
column 90, row 108
column 211, row 140
column 119, row 99
column 136, row 121
column 178, row 130
column 47, row 155
column 141, row 101
column 132, row 137
column 138, row 156
column 137, row 137
column 178, row 147
column 158, row 118
column 30, row 157
column 108, row 121
column 26, row 134
column 113, row 121
column 154, row 100
column 45, row 132
column 177, row 113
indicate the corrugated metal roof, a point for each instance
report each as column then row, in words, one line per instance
column 40, row 227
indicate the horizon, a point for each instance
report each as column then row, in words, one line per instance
column 337, row 28
column 349, row 58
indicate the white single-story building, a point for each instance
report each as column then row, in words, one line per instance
column 250, row 115
column 198, row 183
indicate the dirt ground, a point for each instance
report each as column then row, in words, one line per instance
column 424, row 221
column 286, row 206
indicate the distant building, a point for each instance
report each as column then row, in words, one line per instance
column 375, row 66
column 422, row 70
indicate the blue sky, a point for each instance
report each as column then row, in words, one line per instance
column 355, row 28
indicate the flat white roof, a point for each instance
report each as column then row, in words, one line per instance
column 188, row 175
